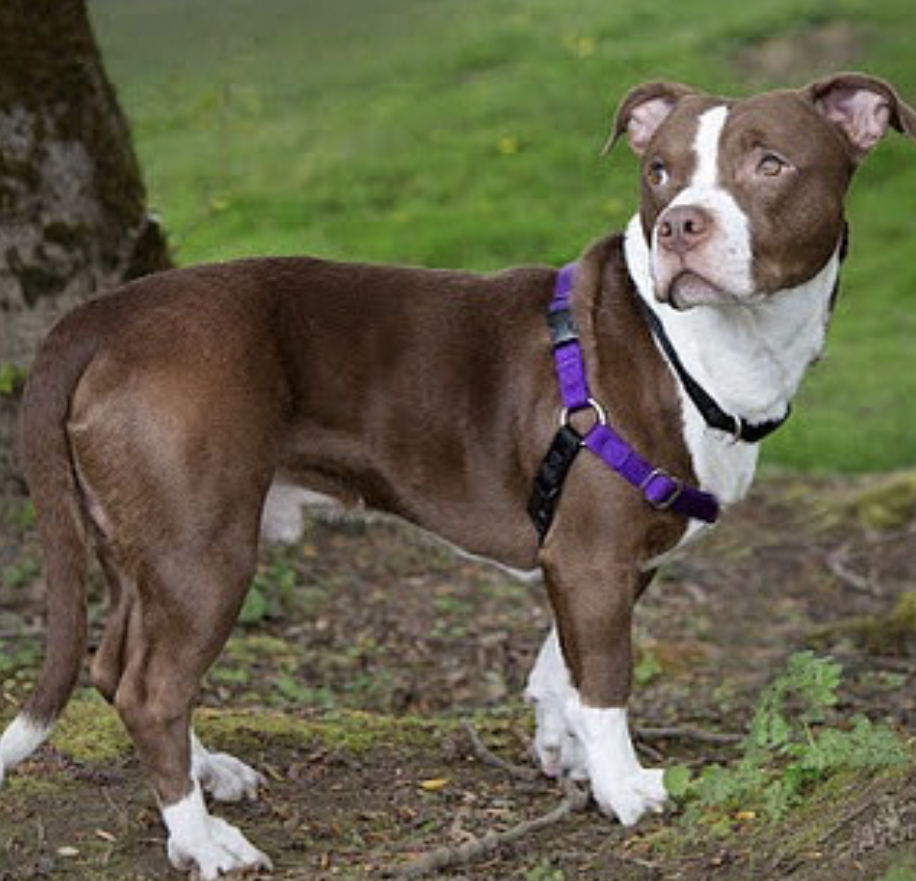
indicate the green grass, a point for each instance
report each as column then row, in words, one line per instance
column 467, row 132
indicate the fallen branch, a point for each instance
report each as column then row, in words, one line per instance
column 479, row 848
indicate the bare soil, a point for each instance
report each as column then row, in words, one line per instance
column 803, row 52
column 365, row 647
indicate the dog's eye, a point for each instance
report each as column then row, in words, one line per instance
column 771, row 165
column 656, row 173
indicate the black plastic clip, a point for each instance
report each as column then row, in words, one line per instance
column 549, row 480
column 562, row 327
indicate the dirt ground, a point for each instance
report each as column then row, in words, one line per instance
column 363, row 649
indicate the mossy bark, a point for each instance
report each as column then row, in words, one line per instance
column 73, row 217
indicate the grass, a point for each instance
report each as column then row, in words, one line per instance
column 467, row 132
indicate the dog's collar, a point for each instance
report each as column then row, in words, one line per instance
column 712, row 413
column 661, row 490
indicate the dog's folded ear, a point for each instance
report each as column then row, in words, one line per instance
column 642, row 111
column 862, row 107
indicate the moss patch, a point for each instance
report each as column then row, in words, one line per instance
column 892, row 633
column 883, row 503
column 90, row 730
column 24, row 786
column 340, row 731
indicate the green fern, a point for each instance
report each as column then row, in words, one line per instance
column 785, row 752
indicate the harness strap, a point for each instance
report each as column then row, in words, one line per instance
column 660, row 489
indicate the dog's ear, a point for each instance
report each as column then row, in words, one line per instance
column 642, row 111
column 863, row 107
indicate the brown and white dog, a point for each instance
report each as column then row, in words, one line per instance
column 158, row 418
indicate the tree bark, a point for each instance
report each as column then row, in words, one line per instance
column 73, row 216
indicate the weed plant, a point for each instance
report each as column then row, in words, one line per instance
column 789, row 749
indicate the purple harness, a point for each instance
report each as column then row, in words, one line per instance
column 661, row 490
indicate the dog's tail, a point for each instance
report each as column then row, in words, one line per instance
column 52, row 485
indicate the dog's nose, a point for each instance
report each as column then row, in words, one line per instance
column 682, row 228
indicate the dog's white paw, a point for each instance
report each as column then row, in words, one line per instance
column 621, row 787
column 228, row 779
column 558, row 751
column 629, row 798
column 224, row 776
column 19, row 741
column 206, row 844
column 562, row 758
column 221, row 849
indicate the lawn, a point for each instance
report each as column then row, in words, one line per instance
column 467, row 133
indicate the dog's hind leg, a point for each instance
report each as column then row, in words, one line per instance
column 222, row 776
column 108, row 661
column 186, row 606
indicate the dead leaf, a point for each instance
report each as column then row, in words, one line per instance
column 435, row 784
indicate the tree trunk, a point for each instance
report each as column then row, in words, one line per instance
column 73, row 216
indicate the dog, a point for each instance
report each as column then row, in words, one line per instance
column 585, row 423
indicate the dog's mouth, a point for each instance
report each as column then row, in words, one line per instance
column 688, row 289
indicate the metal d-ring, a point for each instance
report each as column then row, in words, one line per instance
column 737, row 430
column 590, row 404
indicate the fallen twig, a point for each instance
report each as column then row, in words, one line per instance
column 485, row 755
column 836, row 563
column 449, row 857
column 575, row 799
column 715, row 737
column 649, row 751
column 853, row 815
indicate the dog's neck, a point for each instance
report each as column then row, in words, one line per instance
column 750, row 358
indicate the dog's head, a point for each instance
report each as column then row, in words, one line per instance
column 744, row 198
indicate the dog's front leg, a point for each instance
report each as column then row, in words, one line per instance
column 593, row 606
column 222, row 775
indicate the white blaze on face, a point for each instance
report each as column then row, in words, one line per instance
column 725, row 259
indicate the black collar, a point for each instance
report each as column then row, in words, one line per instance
column 715, row 416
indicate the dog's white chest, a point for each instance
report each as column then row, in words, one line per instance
column 722, row 467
